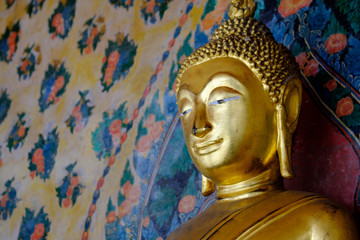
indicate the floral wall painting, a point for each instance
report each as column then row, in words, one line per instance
column 8, row 42
column 122, row 3
column 92, row 34
column 34, row 7
column 151, row 8
column 54, row 84
column 9, row 3
column 91, row 142
column 70, row 189
column 5, row 103
column 118, row 59
column 31, row 58
column 61, row 20
column 8, row 200
column 41, row 158
column 34, row 227
column 80, row 114
column 18, row 133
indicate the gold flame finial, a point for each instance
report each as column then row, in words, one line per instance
column 242, row 8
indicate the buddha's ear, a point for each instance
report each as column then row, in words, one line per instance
column 207, row 186
column 287, row 115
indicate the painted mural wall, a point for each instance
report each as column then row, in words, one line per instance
column 91, row 144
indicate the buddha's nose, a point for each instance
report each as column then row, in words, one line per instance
column 201, row 124
column 201, row 132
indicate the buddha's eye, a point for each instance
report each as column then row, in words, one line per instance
column 221, row 101
column 185, row 112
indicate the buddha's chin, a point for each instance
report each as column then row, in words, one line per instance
column 209, row 160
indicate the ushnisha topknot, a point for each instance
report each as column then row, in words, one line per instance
column 251, row 42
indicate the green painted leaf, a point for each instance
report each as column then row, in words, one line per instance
column 352, row 11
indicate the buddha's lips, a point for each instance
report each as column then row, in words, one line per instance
column 208, row 146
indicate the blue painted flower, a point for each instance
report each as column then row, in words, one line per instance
column 319, row 16
column 353, row 57
column 278, row 28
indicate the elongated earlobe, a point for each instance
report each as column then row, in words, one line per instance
column 207, row 186
column 283, row 143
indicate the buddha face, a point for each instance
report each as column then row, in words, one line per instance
column 228, row 121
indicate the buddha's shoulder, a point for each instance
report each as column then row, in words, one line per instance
column 311, row 216
column 286, row 215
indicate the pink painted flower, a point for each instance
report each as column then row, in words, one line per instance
column 59, row 83
column 32, row 174
column 38, row 231
column 51, row 96
column 12, row 48
column 69, row 191
column 111, row 217
column 126, row 188
column 89, row 41
column 156, row 129
column 146, row 222
column 58, row 23
column 94, row 31
column 115, row 128
column 150, row 121
column 187, row 204
column 114, row 57
column 150, row 6
column 24, row 65
column 124, row 208
column 21, row 131
column 37, row 156
column 108, row 76
column 76, row 113
column 335, row 43
column 344, row 107
column 111, row 66
column 133, row 194
column 40, row 167
column 3, row 200
column 12, row 37
column 301, row 59
column 87, row 50
column 74, row 181
column 66, row 202
column 331, row 85
column 311, row 68
column 290, row 7
column 144, row 143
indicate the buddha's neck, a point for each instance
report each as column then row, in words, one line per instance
column 263, row 183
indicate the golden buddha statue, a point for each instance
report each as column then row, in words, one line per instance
column 239, row 97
